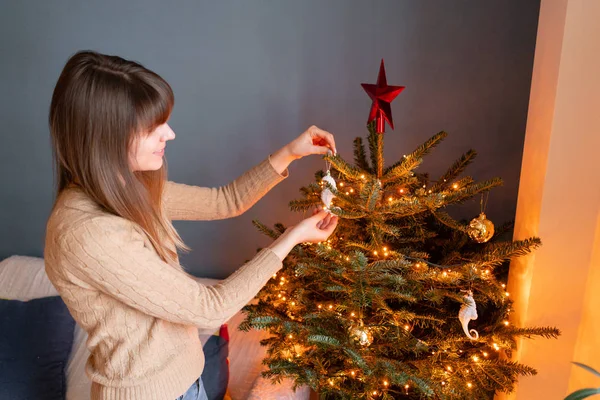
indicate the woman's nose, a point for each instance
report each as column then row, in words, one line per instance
column 168, row 135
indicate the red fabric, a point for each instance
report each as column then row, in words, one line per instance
column 224, row 332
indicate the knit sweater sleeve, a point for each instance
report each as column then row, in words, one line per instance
column 187, row 202
column 108, row 254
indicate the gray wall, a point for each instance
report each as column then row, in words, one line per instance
column 249, row 76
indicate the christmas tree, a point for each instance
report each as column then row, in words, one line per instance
column 381, row 310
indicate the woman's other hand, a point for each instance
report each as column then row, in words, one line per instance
column 316, row 228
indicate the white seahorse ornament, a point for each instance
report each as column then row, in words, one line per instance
column 467, row 313
column 326, row 194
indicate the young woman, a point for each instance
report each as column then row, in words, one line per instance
column 111, row 249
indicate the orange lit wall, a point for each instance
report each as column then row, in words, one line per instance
column 559, row 201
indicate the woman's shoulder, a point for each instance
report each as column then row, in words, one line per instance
column 74, row 212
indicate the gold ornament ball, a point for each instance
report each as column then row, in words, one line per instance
column 481, row 229
column 362, row 334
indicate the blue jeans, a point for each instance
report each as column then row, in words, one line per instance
column 195, row 392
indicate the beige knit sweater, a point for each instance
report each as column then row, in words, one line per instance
column 141, row 314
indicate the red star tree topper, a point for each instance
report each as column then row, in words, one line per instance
column 382, row 95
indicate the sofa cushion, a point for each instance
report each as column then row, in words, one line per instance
column 215, row 375
column 24, row 278
column 36, row 337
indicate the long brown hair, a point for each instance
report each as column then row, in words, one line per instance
column 100, row 105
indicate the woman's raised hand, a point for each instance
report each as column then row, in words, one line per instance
column 312, row 141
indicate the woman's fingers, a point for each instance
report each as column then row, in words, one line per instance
column 327, row 221
column 322, row 138
column 331, row 225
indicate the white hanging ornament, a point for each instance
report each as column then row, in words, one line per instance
column 467, row 313
column 326, row 194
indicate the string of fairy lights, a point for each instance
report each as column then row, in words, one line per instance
column 348, row 190
column 443, row 273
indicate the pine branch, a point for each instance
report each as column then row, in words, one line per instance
column 304, row 204
column 358, row 360
column 413, row 160
column 447, row 220
column 376, row 150
column 456, row 169
column 370, row 194
column 348, row 171
column 469, row 191
column 545, row 332
column 263, row 228
column 496, row 253
column 323, row 340
column 345, row 214
column 403, row 207
column 360, row 156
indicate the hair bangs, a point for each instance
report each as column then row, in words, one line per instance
column 154, row 102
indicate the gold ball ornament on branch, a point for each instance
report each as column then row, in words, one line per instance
column 481, row 229
column 362, row 334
